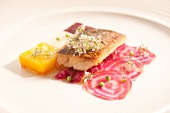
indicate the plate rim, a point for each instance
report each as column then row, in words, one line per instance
column 115, row 13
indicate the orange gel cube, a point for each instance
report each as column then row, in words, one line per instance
column 40, row 59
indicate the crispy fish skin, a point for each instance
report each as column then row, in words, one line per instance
column 110, row 40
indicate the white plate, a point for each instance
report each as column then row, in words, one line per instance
column 23, row 92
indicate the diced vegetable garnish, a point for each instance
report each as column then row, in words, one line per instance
column 70, row 75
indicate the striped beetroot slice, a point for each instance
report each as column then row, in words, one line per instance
column 115, row 89
column 131, row 68
column 141, row 54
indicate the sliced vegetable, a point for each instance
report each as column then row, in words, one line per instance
column 141, row 54
column 131, row 68
column 72, row 29
column 108, row 90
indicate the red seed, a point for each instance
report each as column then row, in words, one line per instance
column 78, row 76
column 93, row 69
column 99, row 66
column 62, row 74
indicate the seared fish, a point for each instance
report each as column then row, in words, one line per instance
column 110, row 40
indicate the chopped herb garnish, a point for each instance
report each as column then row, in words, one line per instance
column 123, row 80
column 67, row 36
column 143, row 50
column 47, row 54
column 80, row 29
column 131, row 53
column 107, row 78
column 101, row 84
column 36, row 52
column 129, row 65
column 82, row 43
column 142, row 47
column 69, row 78
column 58, row 39
column 87, row 76
column 41, row 52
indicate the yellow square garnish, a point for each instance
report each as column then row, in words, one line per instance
column 40, row 59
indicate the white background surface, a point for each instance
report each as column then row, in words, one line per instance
column 14, row 13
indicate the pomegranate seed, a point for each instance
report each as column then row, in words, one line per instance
column 77, row 75
column 93, row 69
column 62, row 74
column 77, row 78
column 99, row 66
